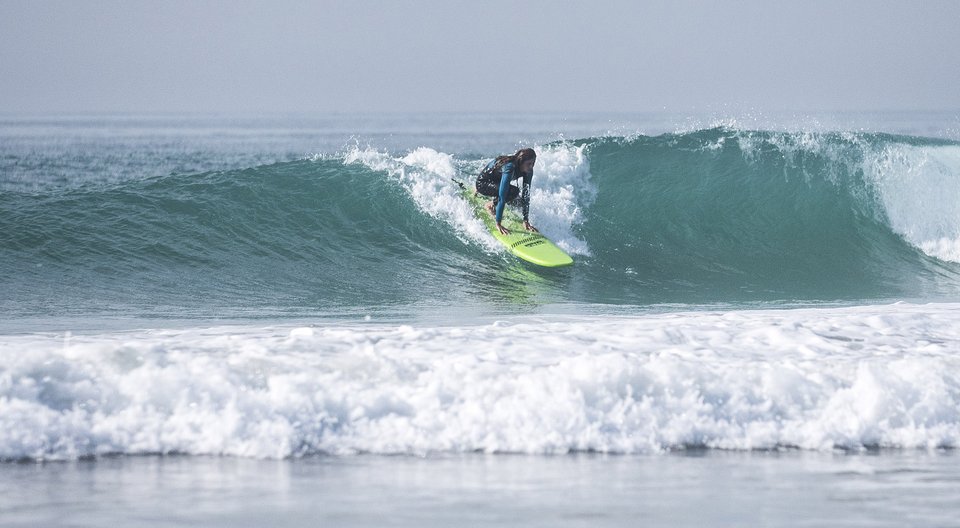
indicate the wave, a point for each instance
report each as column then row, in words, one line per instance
column 851, row 378
column 718, row 215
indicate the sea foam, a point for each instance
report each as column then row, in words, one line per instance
column 825, row 378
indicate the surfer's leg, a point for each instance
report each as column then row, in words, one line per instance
column 492, row 189
column 512, row 194
column 487, row 187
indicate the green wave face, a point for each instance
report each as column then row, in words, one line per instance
column 713, row 216
column 719, row 215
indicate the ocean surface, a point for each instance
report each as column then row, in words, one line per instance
column 758, row 298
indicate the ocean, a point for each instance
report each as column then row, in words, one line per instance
column 761, row 327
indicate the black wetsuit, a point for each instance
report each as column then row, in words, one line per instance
column 497, row 185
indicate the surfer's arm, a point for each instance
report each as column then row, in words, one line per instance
column 525, row 200
column 505, row 173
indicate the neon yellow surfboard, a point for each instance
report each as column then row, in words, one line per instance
column 532, row 247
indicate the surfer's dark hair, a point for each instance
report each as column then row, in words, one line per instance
column 517, row 159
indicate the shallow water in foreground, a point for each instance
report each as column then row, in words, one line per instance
column 687, row 488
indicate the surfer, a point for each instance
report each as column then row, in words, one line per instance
column 494, row 180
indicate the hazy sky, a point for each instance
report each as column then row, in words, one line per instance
column 321, row 56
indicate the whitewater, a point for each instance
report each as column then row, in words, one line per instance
column 850, row 378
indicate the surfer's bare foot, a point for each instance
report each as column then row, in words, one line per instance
column 489, row 207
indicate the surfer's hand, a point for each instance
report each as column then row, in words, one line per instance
column 503, row 230
column 528, row 227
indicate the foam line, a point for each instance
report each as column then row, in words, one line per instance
column 808, row 378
